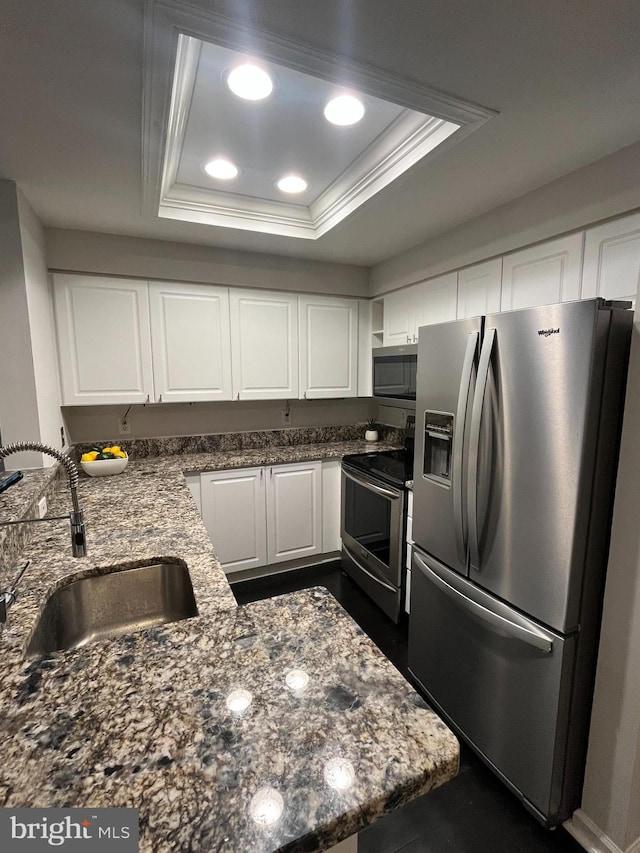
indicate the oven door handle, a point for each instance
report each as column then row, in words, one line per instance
column 368, row 484
column 378, row 580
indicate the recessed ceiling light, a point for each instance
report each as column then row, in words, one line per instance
column 344, row 110
column 292, row 184
column 250, row 82
column 222, row 169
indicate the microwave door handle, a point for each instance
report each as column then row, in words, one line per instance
column 520, row 632
column 367, row 572
column 462, row 412
column 374, row 487
column 474, row 446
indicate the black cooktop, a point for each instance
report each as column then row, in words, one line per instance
column 390, row 466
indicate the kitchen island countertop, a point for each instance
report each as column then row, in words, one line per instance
column 148, row 720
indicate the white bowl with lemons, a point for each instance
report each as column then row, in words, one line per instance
column 102, row 462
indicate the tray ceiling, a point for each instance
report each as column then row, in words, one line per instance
column 286, row 133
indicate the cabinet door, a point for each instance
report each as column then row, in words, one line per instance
column 294, row 511
column 399, row 327
column 328, row 347
column 104, row 341
column 264, row 345
column 233, row 511
column 543, row 275
column 190, row 341
column 331, row 496
column 612, row 259
column 435, row 300
column 479, row 289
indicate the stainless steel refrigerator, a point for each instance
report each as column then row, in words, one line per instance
column 518, row 419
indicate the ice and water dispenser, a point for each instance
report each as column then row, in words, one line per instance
column 438, row 447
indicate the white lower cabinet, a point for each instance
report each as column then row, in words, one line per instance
column 233, row 511
column 331, row 497
column 259, row 516
column 294, row 511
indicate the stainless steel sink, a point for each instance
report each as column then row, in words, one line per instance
column 116, row 603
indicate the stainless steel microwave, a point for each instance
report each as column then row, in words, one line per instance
column 394, row 375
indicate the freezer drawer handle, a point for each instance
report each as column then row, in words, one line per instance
column 373, row 487
column 367, row 572
column 474, row 446
column 519, row 632
column 458, row 441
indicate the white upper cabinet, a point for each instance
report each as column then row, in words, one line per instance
column 543, row 274
column 264, row 345
column 479, row 289
column 432, row 301
column 294, row 511
column 399, row 318
column 436, row 300
column 190, row 342
column 328, row 347
column 612, row 259
column 104, row 340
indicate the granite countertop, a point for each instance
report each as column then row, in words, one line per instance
column 144, row 720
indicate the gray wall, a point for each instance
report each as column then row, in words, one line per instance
column 602, row 190
column 29, row 407
column 110, row 254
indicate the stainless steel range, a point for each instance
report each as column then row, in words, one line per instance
column 373, row 523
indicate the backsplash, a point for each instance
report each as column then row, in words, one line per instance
column 140, row 448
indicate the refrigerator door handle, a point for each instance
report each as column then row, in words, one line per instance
column 531, row 637
column 474, row 445
column 462, row 411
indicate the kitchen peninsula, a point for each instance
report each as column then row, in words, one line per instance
column 328, row 735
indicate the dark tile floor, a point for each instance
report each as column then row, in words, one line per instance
column 474, row 813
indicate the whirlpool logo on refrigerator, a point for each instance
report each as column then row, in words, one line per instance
column 544, row 333
column 107, row 829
